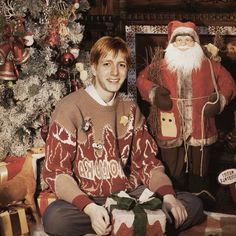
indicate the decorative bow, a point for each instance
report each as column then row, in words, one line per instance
column 137, row 206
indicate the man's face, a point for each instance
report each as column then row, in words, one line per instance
column 109, row 73
column 183, row 42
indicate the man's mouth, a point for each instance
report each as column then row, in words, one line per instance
column 113, row 80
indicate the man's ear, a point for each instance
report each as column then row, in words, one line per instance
column 93, row 69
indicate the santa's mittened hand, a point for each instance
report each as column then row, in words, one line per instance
column 162, row 99
column 213, row 106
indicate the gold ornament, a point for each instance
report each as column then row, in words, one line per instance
column 124, row 120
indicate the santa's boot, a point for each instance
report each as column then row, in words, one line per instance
column 200, row 187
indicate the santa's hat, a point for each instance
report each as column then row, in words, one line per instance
column 176, row 27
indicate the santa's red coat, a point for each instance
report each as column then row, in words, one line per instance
column 202, row 88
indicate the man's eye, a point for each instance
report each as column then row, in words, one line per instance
column 106, row 64
column 123, row 65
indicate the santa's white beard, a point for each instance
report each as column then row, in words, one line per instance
column 186, row 60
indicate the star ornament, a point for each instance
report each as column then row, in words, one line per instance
column 124, row 120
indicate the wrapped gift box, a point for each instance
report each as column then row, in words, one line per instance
column 13, row 222
column 122, row 222
column 10, row 167
column 139, row 220
column 44, row 200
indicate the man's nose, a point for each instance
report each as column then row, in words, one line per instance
column 114, row 70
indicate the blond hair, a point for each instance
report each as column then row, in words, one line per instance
column 106, row 44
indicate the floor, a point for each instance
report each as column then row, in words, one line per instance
column 225, row 203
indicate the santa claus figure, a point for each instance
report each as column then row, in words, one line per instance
column 190, row 91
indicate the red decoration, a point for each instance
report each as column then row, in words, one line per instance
column 8, row 71
column 44, row 199
column 53, row 37
column 62, row 74
column 7, row 33
column 20, row 53
column 67, row 59
column 75, row 85
column 12, row 50
column 10, row 167
column 4, row 50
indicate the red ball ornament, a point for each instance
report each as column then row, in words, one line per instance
column 67, row 59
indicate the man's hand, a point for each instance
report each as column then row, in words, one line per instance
column 160, row 96
column 100, row 219
column 212, row 108
column 173, row 205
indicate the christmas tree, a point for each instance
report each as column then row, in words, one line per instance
column 40, row 62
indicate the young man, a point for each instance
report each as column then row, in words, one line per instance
column 189, row 92
column 98, row 144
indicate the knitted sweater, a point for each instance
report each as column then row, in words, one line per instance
column 95, row 150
